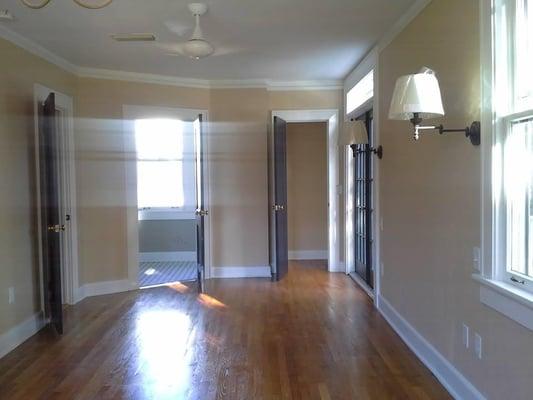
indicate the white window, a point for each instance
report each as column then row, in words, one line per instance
column 514, row 132
column 165, row 166
column 361, row 93
column 507, row 268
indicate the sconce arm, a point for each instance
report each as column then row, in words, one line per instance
column 473, row 132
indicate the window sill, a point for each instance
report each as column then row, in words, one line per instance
column 507, row 299
column 153, row 215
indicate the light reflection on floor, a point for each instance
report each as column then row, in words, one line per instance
column 210, row 302
column 164, row 337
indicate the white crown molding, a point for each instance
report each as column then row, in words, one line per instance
column 99, row 73
column 36, row 49
column 279, row 86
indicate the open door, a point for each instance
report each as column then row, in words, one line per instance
column 281, row 246
column 201, row 212
column 50, row 214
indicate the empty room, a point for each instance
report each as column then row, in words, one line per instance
column 266, row 199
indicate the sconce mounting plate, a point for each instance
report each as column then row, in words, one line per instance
column 474, row 133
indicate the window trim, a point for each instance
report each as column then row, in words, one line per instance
column 496, row 290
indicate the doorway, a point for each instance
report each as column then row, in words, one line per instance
column 307, row 191
column 278, row 187
column 165, row 189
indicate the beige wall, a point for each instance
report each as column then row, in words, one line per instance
column 430, row 197
column 307, row 179
column 239, row 177
column 18, row 236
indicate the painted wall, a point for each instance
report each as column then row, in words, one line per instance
column 307, row 179
column 167, row 235
column 18, row 225
column 430, row 199
column 239, row 185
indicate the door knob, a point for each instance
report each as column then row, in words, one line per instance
column 56, row 228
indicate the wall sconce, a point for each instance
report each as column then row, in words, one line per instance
column 355, row 133
column 417, row 97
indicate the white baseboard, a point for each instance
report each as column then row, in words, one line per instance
column 167, row 256
column 241, row 272
column 456, row 384
column 109, row 287
column 308, row 255
column 20, row 333
column 337, row 268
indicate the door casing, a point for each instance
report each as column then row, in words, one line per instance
column 130, row 113
column 332, row 118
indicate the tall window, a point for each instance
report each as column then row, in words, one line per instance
column 361, row 93
column 513, row 152
column 165, row 164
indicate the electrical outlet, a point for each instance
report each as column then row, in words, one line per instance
column 476, row 259
column 466, row 336
column 11, row 295
column 478, row 342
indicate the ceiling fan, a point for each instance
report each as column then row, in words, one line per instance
column 92, row 4
column 196, row 47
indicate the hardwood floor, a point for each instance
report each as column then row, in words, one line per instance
column 314, row 335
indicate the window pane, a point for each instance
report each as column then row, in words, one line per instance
column 160, row 184
column 360, row 93
column 523, row 55
column 159, row 139
column 518, row 184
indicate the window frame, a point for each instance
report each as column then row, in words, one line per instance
column 497, row 290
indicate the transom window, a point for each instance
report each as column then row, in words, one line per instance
column 361, row 93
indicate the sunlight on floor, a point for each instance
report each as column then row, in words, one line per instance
column 210, row 302
column 163, row 338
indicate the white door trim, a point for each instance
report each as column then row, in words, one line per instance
column 131, row 112
column 331, row 117
column 64, row 104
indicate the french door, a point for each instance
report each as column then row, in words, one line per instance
column 363, row 209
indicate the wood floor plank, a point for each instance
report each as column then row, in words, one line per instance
column 314, row 335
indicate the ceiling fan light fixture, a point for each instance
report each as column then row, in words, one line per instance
column 198, row 48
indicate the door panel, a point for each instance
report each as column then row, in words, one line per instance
column 280, row 198
column 50, row 214
column 363, row 210
column 201, row 212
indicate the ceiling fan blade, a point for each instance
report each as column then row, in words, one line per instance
column 225, row 51
column 174, row 47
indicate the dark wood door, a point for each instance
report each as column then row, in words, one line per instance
column 280, row 198
column 201, row 211
column 50, row 214
column 363, row 210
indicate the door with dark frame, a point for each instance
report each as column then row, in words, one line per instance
column 201, row 212
column 280, row 198
column 50, row 213
column 363, row 209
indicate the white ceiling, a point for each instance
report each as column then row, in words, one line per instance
column 280, row 40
